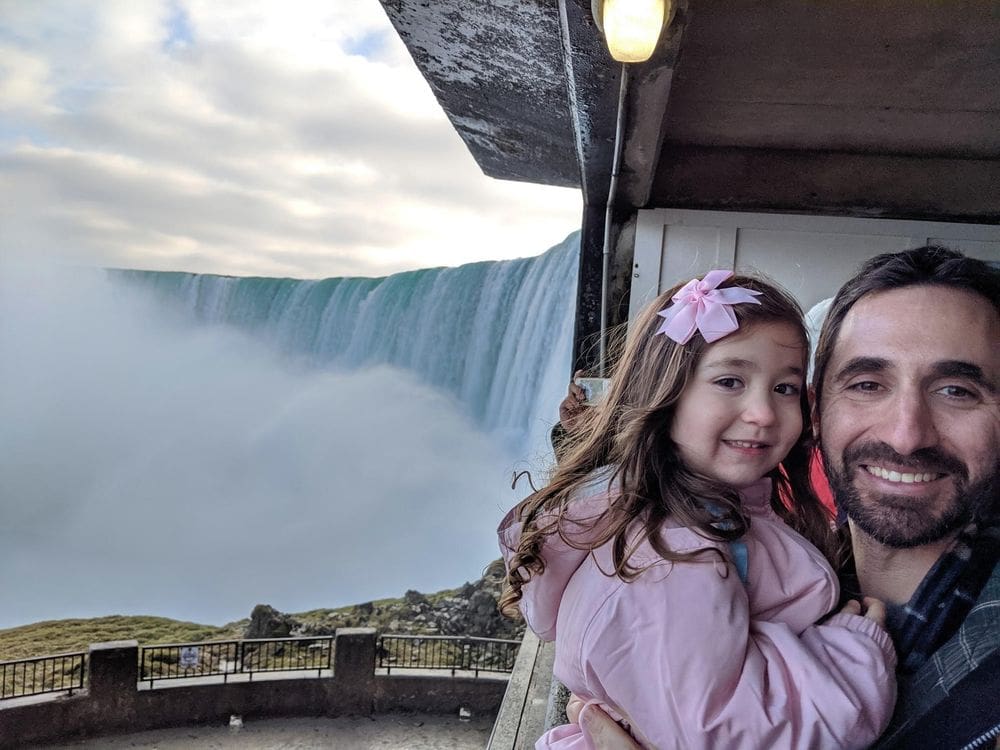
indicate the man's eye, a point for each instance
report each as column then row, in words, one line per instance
column 956, row 391
column 865, row 386
column 787, row 389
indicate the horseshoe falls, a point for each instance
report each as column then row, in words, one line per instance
column 192, row 445
column 495, row 335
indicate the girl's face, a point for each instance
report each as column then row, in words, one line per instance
column 740, row 414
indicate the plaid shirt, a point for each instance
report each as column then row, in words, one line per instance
column 976, row 639
column 942, row 601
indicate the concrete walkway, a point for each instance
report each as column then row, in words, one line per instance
column 386, row 732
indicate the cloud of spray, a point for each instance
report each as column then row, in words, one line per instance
column 147, row 466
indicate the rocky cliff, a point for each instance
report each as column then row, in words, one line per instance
column 468, row 610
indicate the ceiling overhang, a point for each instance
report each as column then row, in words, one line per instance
column 859, row 108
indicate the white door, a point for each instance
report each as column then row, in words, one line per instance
column 811, row 256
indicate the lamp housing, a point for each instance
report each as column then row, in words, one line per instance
column 631, row 27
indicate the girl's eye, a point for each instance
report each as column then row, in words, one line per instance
column 788, row 389
column 728, row 382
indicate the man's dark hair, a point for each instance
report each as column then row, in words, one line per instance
column 931, row 265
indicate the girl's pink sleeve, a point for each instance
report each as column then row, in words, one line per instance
column 688, row 669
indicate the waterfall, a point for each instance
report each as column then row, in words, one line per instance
column 496, row 335
column 192, row 445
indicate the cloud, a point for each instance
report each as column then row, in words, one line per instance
column 245, row 138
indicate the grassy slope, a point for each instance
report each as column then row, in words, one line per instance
column 60, row 636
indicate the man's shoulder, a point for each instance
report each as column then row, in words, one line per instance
column 976, row 638
column 972, row 644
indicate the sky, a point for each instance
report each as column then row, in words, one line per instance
column 243, row 137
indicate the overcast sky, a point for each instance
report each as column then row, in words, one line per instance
column 247, row 137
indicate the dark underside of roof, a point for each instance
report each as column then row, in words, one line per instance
column 847, row 107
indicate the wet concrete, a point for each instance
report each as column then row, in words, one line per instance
column 386, row 732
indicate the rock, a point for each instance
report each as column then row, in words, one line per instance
column 468, row 611
column 415, row 598
column 267, row 622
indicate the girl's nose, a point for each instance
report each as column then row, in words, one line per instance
column 759, row 410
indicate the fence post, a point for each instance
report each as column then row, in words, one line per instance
column 113, row 678
column 354, row 667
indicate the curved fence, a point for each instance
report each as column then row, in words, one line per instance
column 445, row 652
column 42, row 674
column 119, row 687
column 174, row 661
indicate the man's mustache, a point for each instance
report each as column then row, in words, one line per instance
column 924, row 460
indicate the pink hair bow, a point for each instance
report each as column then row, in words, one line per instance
column 700, row 306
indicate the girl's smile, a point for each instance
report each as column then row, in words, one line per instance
column 741, row 412
column 748, row 446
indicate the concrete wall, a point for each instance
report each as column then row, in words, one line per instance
column 113, row 701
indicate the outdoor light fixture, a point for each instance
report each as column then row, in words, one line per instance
column 631, row 27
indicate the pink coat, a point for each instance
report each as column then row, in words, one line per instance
column 688, row 656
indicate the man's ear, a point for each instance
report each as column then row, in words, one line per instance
column 813, row 412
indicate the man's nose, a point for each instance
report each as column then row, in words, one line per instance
column 908, row 424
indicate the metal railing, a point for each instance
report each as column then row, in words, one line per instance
column 42, row 674
column 175, row 661
column 455, row 653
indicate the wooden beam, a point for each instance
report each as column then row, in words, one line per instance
column 832, row 183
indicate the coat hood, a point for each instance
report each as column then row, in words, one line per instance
column 568, row 546
column 564, row 551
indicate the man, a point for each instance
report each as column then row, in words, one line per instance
column 907, row 412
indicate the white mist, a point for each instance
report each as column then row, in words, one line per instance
column 152, row 467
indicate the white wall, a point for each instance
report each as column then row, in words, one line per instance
column 811, row 256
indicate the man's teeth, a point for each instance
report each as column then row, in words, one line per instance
column 745, row 444
column 895, row 476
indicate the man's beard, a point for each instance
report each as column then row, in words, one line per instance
column 902, row 521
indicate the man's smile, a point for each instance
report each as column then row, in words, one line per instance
column 891, row 475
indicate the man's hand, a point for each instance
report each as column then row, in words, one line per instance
column 869, row 606
column 602, row 730
column 571, row 407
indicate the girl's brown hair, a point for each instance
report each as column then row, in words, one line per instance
column 629, row 431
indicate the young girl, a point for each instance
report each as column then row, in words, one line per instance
column 668, row 556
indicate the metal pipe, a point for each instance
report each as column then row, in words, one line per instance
column 606, row 253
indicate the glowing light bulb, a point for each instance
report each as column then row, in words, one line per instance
column 632, row 27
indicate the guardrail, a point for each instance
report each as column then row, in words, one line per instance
column 42, row 674
column 175, row 661
column 445, row 652
column 525, row 711
column 114, row 700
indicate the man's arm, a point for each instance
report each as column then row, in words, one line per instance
column 570, row 410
